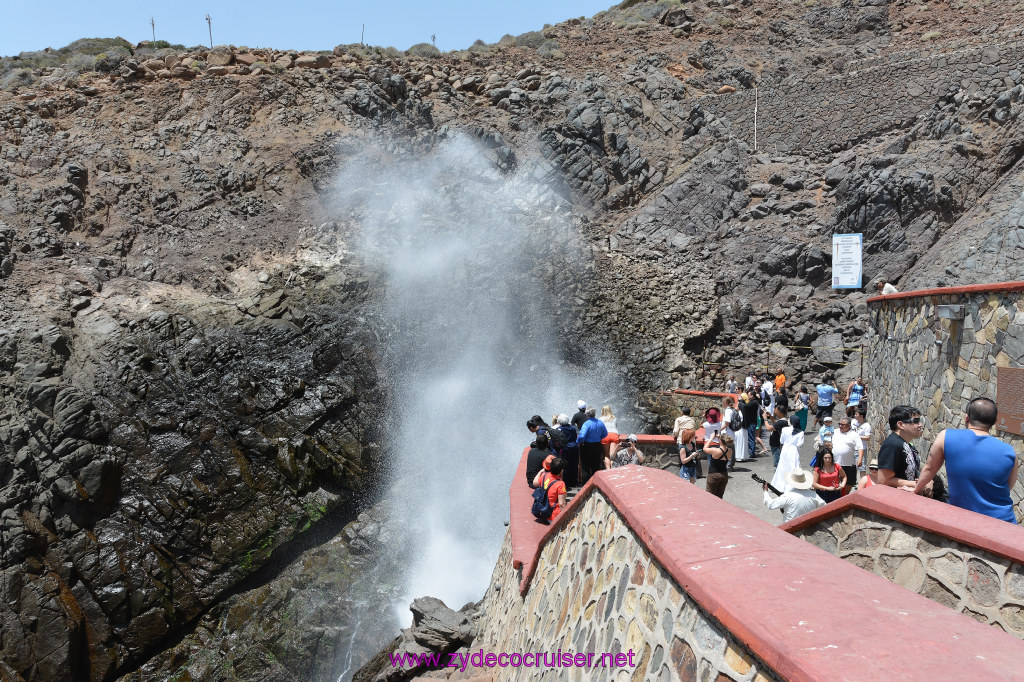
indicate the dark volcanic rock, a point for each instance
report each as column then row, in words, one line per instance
column 190, row 446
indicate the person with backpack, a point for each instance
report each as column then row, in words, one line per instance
column 563, row 442
column 768, row 395
column 549, row 497
column 732, row 422
column 751, row 410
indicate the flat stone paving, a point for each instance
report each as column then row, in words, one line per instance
column 746, row 494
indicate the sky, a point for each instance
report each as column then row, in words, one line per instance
column 301, row 25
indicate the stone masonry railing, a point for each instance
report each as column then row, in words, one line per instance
column 938, row 364
column 696, row 588
column 968, row 562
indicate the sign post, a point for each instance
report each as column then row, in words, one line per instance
column 847, row 261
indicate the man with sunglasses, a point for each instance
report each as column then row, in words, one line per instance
column 981, row 469
column 899, row 464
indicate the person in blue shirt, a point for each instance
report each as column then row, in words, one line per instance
column 981, row 468
column 854, row 394
column 827, row 392
column 591, row 449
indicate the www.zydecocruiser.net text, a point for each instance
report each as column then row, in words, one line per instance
column 531, row 659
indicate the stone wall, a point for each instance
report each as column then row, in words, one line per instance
column 983, row 585
column 667, row 405
column 597, row 589
column 939, row 365
column 695, row 588
column 660, row 452
column 826, row 112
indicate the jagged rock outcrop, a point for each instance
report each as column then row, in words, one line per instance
column 152, row 461
column 436, row 629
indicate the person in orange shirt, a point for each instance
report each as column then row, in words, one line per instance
column 780, row 380
column 551, row 478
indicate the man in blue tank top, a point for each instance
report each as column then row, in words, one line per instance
column 981, row 468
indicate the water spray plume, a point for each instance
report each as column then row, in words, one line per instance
column 474, row 266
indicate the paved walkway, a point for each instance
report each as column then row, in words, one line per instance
column 746, row 494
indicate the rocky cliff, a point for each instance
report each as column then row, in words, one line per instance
column 190, row 358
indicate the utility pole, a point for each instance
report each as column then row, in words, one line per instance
column 362, row 36
column 433, row 39
column 152, row 22
column 755, row 117
column 209, row 26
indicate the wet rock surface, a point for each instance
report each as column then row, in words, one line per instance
column 155, row 461
column 190, row 357
column 286, row 621
column 436, row 629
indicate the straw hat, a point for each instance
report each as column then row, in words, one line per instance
column 800, row 479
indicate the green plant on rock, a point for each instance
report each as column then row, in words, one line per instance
column 95, row 46
column 530, row 39
column 264, row 545
column 550, row 50
column 80, row 63
column 110, row 60
column 425, row 50
column 18, row 78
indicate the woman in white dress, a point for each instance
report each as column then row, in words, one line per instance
column 792, row 439
column 739, row 436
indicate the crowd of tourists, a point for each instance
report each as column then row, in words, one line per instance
column 981, row 469
column 567, row 454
